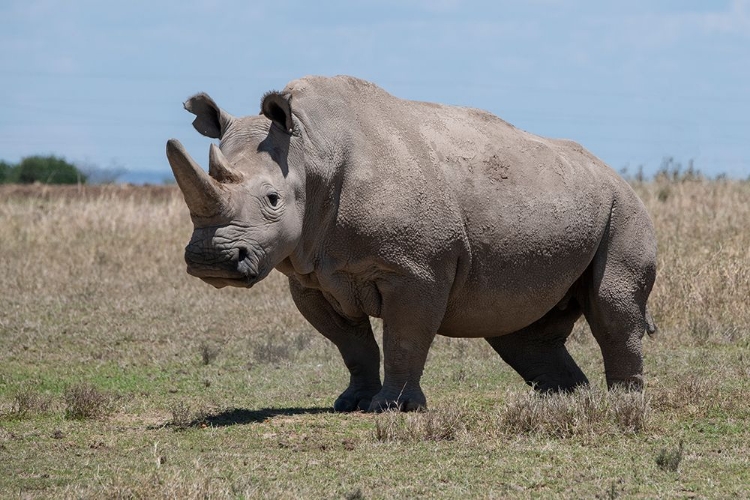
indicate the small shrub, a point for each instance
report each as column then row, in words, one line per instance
column 6, row 170
column 669, row 460
column 183, row 416
column 700, row 330
column 85, row 401
column 27, row 401
column 673, row 171
column 302, row 341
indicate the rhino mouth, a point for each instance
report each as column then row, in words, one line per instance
column 244, row 270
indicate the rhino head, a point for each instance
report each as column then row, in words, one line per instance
column 247, row 210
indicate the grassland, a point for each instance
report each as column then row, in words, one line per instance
column 121, row 376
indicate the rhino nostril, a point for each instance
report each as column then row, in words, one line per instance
column 242, row 255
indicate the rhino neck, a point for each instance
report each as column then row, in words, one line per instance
column 324, row 109
column 319, row 221
column 319, row 164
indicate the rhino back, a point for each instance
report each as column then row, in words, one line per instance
column 457, row 197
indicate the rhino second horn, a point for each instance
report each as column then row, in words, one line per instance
column 219, row 168
column 202, row 194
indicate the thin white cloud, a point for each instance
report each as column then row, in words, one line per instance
column 668, row 28
column 733, row 21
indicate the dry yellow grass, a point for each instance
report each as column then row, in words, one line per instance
column 703, row 290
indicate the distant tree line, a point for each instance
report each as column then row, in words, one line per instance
column 43, row 169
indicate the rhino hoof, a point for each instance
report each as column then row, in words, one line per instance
column 347, row 405
column 379, row 406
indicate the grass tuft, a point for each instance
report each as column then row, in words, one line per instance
column 27, row 401
column 614, row 490
column 184, row 417
column 443, row 424
column 208, row 353
column 355, row 495
column 84, row 401
column 583, row 412
column 272, row 351
column 669, row 460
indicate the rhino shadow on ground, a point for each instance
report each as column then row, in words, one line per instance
column 243, row 416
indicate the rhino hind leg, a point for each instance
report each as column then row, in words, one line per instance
column 616, row 289
column 618, row 319
column 538, row 351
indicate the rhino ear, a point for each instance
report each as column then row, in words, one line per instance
column 211, row 120
column 277, row 107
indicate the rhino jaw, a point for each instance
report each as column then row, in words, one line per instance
column 223, row 282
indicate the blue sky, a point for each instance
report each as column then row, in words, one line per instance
column 103, row 83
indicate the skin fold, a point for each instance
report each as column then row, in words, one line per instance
column 437, row 219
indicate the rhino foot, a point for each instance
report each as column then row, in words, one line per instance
column 355, row 399
column 347, row 405
column 413, row 401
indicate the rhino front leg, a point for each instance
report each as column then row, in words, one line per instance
column 405, row 354
column 354, row 340
column 411, row 317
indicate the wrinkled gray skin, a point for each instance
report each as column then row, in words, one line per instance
column 437, row 219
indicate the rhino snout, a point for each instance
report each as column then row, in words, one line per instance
column 238, row 266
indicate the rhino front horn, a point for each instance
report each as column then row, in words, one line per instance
column 203, row 195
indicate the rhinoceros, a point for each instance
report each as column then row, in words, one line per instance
column 437, row 219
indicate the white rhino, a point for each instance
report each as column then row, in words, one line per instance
column 437, row 219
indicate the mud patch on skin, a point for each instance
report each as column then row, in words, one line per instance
column 496, row 168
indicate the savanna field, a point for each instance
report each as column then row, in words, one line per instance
column 123, row 377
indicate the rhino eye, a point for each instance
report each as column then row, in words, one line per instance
column 273, row 199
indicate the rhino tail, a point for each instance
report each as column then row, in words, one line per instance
column 650, row 325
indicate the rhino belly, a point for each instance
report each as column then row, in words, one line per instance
column 490, row 313
column 517, row 275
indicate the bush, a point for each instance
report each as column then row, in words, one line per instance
column 6, row 169
column 47, row 170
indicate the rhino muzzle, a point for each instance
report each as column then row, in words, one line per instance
column 238, row 266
